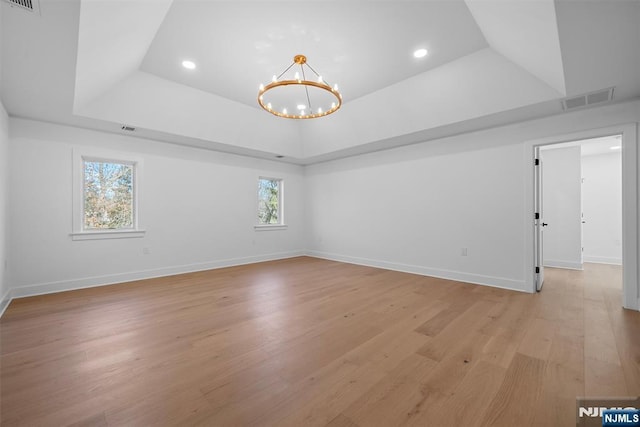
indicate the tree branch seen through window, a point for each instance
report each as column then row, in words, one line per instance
column 108, row 195
column 269, row 201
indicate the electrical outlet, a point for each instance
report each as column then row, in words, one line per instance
column 463, row 252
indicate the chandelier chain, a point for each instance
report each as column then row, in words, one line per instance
column 314, row 71
column 282, row 73
column 306, row 88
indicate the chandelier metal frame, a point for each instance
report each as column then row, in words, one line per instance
column 301, row 60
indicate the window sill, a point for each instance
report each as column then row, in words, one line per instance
column 107, row 234
column 270, row 227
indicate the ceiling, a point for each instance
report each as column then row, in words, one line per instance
column 237, row 50
column 101, row 64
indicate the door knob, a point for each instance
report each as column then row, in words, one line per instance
column 544, row 224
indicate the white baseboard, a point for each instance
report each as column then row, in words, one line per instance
column 61, row 286
column 603, row 260
column 563, row 264
column 4, row 301
column 496, row 282
column 90, row 282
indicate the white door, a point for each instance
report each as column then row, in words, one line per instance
column 539, row 222
column 582, row 220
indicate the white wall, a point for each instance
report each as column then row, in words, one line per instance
column 417, row 207
column 2, row 25
column 561, row 205
column 4, row 176
column 199, row 208
column 602, row 206
column 414, row 208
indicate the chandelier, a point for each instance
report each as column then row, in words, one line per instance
column 295, row 97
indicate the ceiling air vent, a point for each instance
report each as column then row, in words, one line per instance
column 128, row 128
column 598, row 97
column 29, row 5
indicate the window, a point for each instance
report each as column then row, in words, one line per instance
column 270, row 202
column 105, row 197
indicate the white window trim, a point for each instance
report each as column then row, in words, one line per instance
column 281, row 225
column 91, row 154
column 270, row 227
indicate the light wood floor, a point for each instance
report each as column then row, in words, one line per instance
column 314, row 342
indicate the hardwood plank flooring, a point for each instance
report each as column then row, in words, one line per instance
column 306, row 341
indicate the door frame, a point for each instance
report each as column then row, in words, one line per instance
column 538, row 208
column 630, row 294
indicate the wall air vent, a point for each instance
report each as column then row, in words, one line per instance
column 128, row 128
column 588, row 99
column 28, row 5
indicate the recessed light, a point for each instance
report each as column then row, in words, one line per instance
column 420, row 53
column 615, row 147
column 189, row 65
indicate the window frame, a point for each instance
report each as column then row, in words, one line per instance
column 280, row 225
column 80, row 156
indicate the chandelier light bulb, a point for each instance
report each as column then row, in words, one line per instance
column 284, row 111
column 335, row 87
column 261, row 87
column 297, row 76
column 274, row 78
column 333, row 105
column 319, row 110
column 269, row 106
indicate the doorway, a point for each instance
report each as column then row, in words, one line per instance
column 535, row 194
column 580, row 204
